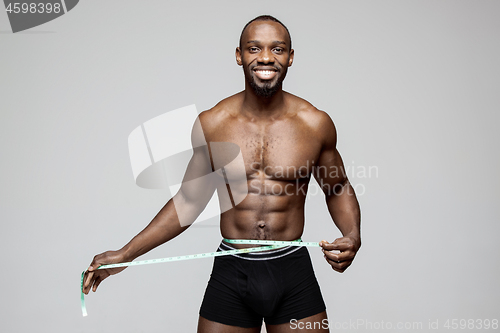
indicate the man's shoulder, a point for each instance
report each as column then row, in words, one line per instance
column 217, row 116
column 314, row 118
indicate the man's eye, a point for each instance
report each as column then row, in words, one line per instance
column 278, row 50
column 254, row 49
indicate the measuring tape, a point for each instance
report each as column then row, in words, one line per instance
column 271, row 245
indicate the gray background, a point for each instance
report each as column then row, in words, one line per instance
column 412, row 86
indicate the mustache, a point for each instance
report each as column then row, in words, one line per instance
column 277, row 68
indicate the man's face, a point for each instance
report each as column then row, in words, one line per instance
column 265, row 56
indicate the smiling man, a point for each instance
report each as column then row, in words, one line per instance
column 284, row 141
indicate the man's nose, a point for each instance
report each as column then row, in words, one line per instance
column 265, row 56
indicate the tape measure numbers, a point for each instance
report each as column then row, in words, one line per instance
column 270, row 245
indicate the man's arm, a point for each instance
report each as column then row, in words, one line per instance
column 196, row 190
column 340, row 199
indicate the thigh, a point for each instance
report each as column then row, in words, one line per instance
column 302, row 295
column 317, row 323
column 208, row 326
column 222, row 302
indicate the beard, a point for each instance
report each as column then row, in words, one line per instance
column 268, row 88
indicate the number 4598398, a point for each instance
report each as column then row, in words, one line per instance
column 462, row 324
column 32, row 8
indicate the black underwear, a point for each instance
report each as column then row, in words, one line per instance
column 277, row 285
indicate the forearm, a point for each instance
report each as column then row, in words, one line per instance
column 164, row 227
column 344, row 210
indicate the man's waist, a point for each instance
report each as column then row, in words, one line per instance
column 280, row 250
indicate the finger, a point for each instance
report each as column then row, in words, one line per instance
column 86, row 290
column 104, row 274
column 323, row 242
column 339, row 256
column 94, row 265
column 337, row 262
column 331, row 251
column 97, row 282
column 330, row 246
column 339, row 266
column 335, row 265
column 91, row 271
column 93, row 277
column 331, row 256
column 87, row 280
column 338, row 270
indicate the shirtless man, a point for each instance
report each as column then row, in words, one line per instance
column 284, row 140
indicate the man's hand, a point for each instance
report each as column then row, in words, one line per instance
column 340, row 253
column 93, row 276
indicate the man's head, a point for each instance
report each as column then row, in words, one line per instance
column 265, row 53
column 267, row 18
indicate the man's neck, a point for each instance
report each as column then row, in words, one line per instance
column 256, row 106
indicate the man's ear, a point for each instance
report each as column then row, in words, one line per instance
column 290, row 61
column 238, row 56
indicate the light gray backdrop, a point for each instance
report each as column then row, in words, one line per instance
column 412, row 86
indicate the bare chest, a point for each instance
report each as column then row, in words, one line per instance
column 276, row 150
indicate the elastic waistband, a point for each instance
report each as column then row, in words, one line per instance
column 263, row 255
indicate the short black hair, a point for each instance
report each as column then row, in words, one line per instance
column 267, row 18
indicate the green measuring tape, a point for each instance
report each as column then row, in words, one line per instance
column 271, row 245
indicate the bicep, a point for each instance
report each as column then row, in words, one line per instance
column 197, row 183
column 329, row 172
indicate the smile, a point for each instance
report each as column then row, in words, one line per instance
column 265, row 74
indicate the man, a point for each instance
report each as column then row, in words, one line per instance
column 283, row 140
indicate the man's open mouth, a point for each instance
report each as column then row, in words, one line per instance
column 265, row 74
